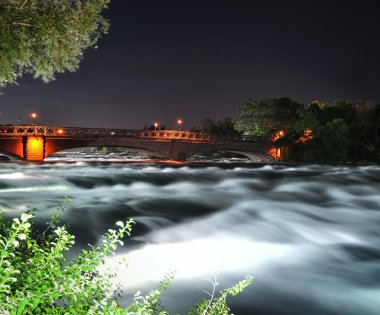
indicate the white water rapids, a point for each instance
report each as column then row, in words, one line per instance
column 310, row 235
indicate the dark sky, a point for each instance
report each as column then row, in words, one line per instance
column 201, row 58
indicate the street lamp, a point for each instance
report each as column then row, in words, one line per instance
column 34, row 116
column 155, row 125
column 179, row 122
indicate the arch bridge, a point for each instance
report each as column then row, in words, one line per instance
column 35, row 143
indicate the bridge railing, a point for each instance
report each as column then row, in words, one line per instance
column 90, row 133
column 54, row 131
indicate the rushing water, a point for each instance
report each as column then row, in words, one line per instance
column 310, row 235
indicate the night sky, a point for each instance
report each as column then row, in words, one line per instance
column 195, row 59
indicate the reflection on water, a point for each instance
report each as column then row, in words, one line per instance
column 309, row 234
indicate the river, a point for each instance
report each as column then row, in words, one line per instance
column 309, row 234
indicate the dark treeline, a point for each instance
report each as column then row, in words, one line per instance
column 339, row 131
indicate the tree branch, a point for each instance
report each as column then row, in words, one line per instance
column 22, row 24
column 23, row 4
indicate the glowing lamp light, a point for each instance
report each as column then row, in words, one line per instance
column 60, row 131
column 179, row 122
column 112, row 133
column 34, row 116
column 278, row 135
column 155, row 125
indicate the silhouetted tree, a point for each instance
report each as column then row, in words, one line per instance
column 223, row 129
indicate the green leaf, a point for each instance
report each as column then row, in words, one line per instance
column 36, row 301
column 21, row 306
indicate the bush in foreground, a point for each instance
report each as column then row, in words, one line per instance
column 36, row 279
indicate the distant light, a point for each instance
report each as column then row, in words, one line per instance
column 179, row 122
column 60, row 131
column 155, row 125
column 278, row 135
column 112, row 133
column 34, row 115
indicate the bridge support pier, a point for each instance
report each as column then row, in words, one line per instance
column 179, row 156
column 34, row 148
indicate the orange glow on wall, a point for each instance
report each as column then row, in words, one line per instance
column 275, row 153
column 35, row 148
column 13, row 146
column 307, row 135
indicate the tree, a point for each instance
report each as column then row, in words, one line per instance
column 335, row 141
column 45, row 37
column 367, row 130
column 335, row 132
column 262, row 118
column 223, row 129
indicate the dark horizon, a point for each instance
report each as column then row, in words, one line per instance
column 198, row 59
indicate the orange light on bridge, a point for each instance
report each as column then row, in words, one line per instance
column 34, row 149
column 60, row 131
column 34, row 116
column 179, row 122
column 112, row 133
column 155, row 125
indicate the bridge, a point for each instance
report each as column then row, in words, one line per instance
column 35, row 143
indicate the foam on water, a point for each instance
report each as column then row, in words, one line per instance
column 309, row 234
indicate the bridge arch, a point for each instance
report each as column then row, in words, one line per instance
column 10, row 156
column 149, row 153
column 253, row 156
column 257, row 156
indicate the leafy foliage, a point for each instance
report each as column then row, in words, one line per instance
column 35, row 277
column 262, row 118
column 342, row 132
column 223, row 129
column 218, row 306
column 44, row 37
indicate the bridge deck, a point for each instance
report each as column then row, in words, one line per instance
column 74, row 132
column 91, row 133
